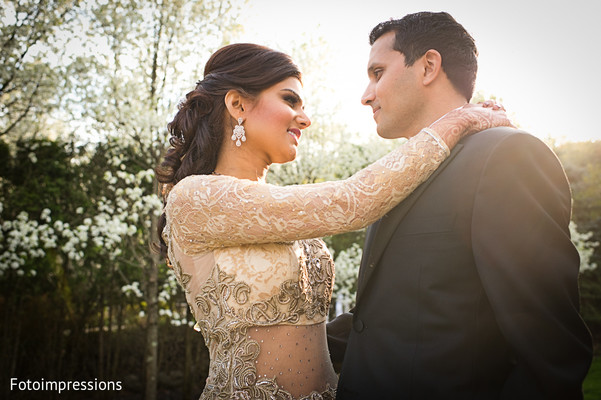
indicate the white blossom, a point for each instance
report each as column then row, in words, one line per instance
column 133, row 288
column 584, row 246
column 45, row 216
column 347, row 268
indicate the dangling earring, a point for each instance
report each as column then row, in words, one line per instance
column 239, row 133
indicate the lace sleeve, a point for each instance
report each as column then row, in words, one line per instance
column 209, row 211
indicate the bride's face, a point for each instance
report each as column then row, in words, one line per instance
column 274, row 122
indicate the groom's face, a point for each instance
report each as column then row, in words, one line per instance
column 394, row 91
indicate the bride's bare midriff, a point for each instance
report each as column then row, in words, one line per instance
column 296, row 356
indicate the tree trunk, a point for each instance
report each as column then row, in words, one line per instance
column 110, row 340
column 187, row 390
column 101, row 337
column 117, row 341
column 152, row 321
column 152, row 331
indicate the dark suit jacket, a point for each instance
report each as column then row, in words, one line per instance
column 468, row 288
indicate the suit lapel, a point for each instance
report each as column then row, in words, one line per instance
column 381, row 231
column 369, row 239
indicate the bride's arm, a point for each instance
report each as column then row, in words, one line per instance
column 209, row 211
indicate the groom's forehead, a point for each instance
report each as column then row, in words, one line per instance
column 384, row 43
column 383, row 49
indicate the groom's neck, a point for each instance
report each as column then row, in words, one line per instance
column 440, row 104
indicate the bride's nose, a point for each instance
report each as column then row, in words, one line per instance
column 304, row 120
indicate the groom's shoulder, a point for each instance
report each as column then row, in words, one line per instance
column 501, row 136
column 506, row 145
column 496, row 134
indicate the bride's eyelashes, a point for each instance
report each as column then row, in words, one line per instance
column 291, row 99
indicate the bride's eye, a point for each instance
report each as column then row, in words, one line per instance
column 292, row 100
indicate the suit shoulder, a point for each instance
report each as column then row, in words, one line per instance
column 517, row 152
column 504, row 138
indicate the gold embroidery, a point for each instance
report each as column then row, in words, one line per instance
column 182, row 278
column 225, row 317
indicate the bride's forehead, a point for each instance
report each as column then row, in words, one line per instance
column 291, row 82
column 289, row 85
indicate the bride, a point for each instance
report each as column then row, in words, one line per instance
column 247, row 254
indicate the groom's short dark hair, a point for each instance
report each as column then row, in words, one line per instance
column 417, row 33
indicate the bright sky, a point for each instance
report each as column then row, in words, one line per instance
column 541, row 57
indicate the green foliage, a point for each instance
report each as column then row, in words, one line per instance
column 592, row 384
column 345, row 286
column 42, row 166
column 582, row 162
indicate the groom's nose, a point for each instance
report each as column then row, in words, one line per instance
column 368, row 96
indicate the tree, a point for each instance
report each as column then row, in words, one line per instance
column 54, row 241
column 133, row 61
column 582, row 162
column 30, row 82
column 138, row 78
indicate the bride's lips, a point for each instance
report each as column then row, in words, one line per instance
column 296, row 133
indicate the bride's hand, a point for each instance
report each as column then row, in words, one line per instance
column 469, row 119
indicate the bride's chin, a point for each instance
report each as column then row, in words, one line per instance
column 290, row 157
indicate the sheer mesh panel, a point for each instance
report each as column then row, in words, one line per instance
column 296, row 356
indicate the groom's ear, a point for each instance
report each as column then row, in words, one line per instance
column 432, row 66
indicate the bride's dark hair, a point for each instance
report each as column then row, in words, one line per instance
column 197, row 130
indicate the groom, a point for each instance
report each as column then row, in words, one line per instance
column 468, row 288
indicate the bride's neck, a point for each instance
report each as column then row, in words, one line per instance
column 241, row 165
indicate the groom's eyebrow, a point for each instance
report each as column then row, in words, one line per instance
column 372, row 67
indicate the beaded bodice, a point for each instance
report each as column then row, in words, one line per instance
column 256, row 280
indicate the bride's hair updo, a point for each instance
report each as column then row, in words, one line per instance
column 197, row 130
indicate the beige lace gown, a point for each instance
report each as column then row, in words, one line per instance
column 258, row 281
